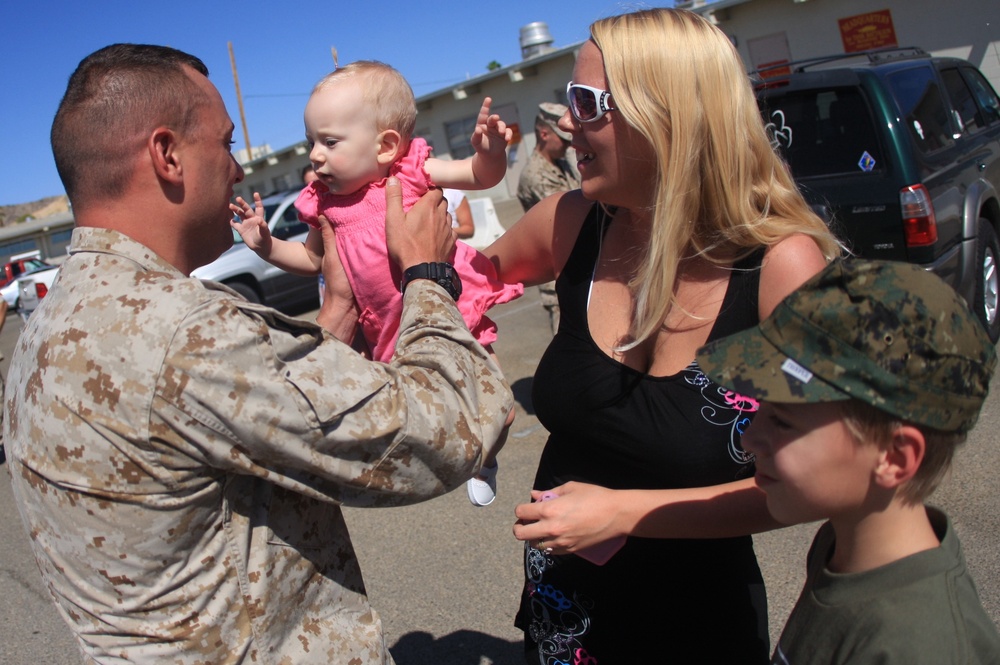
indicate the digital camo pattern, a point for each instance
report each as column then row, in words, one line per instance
column 889, row 334
column 541, row 178
column 179, row 456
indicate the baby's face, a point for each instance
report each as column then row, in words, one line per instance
column 344, row 141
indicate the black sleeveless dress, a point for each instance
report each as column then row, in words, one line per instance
column 657, row 600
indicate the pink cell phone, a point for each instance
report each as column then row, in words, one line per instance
column 600, row 553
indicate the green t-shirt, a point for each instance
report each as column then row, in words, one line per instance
column 922, row 609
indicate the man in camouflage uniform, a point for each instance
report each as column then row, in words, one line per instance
column 548, row 172
column 179, row 455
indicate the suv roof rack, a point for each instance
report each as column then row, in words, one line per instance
column 874, row 56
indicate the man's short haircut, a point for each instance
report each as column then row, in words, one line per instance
column 385, row 90
column 870, row 425
column 114, row 99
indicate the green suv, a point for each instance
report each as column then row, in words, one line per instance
column 900, row 153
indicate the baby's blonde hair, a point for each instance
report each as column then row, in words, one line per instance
column 720, row 189
column 385, row 90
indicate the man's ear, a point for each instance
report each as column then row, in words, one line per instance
column 390, row 142
column 162, row 147
column 901, row 458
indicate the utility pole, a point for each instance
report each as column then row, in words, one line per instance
column 239, row 102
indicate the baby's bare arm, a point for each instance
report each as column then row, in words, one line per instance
column 484, row 169
column 296, row 257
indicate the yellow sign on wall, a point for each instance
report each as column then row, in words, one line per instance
column 868, row 31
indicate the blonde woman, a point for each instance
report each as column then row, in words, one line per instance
column 686, row 228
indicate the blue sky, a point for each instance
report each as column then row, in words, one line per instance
column 281, row 50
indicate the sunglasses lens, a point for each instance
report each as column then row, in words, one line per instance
column 584, row 103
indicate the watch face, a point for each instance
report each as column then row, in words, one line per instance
column 450, row 280
column 443, row 274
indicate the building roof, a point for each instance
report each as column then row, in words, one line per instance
column 509, row 70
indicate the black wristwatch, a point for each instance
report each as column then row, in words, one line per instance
column 444, row 274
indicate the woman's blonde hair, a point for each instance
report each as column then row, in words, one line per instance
column 385, row 90
column 721, row 191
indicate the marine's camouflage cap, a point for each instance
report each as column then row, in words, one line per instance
column 889, row 334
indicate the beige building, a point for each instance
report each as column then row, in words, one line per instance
column 768, row 31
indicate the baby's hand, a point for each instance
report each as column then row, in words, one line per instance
column 250, row 224
column 492, row 134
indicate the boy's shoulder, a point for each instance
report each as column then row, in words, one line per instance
column 923, row 608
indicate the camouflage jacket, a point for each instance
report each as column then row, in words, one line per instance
column 541, row 178
column 179, row 457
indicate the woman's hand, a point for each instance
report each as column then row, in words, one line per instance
column 579, row 516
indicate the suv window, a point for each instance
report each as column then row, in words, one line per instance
column 985, row 95
column 922, row 107
column 969, row 117
column 823, row 131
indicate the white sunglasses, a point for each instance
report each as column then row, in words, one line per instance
column 587, row 104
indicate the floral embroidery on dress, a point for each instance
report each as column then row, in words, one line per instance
column 724, row 408
column 557, row 621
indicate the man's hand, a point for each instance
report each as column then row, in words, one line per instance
column 339, row 313
column 422, row 235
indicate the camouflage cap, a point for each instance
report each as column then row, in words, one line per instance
column 549, row 113
column 889, row 334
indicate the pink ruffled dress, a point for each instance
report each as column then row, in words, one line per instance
column 359, row 220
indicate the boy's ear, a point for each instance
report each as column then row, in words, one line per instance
column 390, row 142
column 901, row 458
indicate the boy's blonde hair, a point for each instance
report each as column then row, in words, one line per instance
column 721, row 190
column 385, row 90
column 869, row 425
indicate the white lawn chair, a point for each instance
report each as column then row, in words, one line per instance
column 488, row 227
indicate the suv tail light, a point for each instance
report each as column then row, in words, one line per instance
column 919, row 223
column 41, row 290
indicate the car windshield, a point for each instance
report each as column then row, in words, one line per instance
column 269, row 209
column 823, row 132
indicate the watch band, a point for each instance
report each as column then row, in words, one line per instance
column 443, row 274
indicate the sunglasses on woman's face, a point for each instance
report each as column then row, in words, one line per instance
column 587, row 104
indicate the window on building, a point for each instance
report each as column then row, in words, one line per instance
column 458, row 133
column 19, row 247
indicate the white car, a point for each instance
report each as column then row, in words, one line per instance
column 255, row 279
column 39, row 281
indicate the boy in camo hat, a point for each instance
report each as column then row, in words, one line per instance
column 868, row 376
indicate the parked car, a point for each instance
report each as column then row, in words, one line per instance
column 258, row 281
column 900, row 152
column 21, row 264
column 40, row 280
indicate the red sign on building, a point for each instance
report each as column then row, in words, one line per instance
column 867, row 31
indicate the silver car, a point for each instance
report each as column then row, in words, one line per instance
column 258, row 281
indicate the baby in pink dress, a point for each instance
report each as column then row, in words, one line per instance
column 359, row 123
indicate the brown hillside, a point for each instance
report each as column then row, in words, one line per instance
column 20, row 212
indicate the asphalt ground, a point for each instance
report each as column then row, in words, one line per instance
column 446, row 576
